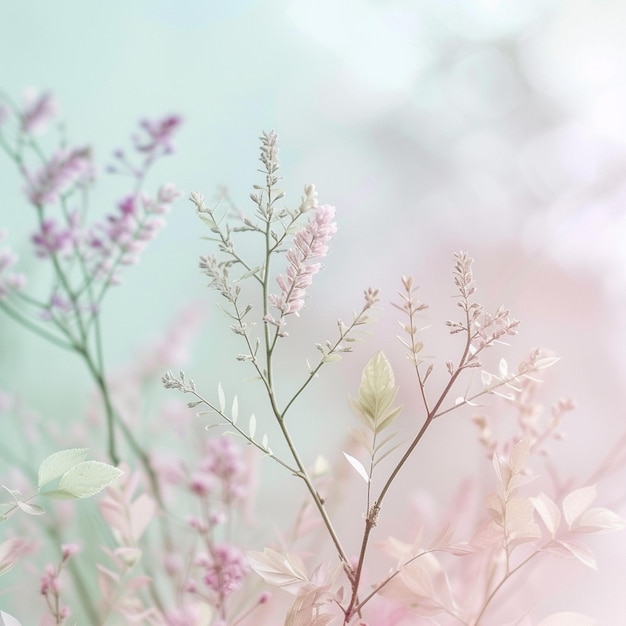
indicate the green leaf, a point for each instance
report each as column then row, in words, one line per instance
column 88, row 478
column 376, row 394
column 58, row 463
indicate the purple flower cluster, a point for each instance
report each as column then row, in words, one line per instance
column 111, row 243
column 98, row 249
column 64, row 170
column 120, row 238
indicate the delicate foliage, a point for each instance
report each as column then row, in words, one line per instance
column 281, row 570
column 78, row 479
column 171, row 531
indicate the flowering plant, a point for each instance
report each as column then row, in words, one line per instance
column 182, row 546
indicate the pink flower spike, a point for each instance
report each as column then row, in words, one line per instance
column 68, row 550
column 310, row 243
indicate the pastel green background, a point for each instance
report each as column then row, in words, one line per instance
column 492, row 126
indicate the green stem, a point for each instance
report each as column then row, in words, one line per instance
column 26, row 323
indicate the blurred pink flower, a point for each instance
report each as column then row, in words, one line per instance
column 160, row 134
column 64, row 169
column 38, row 111
column 226, row 568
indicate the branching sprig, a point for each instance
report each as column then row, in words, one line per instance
column 305, row 242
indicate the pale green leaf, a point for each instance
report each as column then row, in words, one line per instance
column 58, row 463
column 88, row 478
column 388, row 419
column 31, row 509
column 376, row 393
column 252, row 426
column 234, row 412
column 221, row 398
column 331, row 358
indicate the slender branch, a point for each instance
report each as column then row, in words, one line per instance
column 500, row 584
column 26, row 323
column 372, row 516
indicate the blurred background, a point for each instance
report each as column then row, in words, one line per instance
column 497, row 127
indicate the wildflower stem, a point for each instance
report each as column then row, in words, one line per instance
column 26, row 323
column 270, row 344
column 370, row 520
column 303, row 474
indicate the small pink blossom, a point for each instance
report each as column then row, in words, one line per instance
column 225, row 569
column 68, row 550
column 51, row 239
column 201, row 484
column 49, row 581
column 160, row 133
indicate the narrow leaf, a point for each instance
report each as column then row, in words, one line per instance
column 358, row 466
column 221, row 398
column 235, row 410
column 31, row 509
column 252, row 426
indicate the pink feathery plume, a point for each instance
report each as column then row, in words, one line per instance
column 310, row 243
